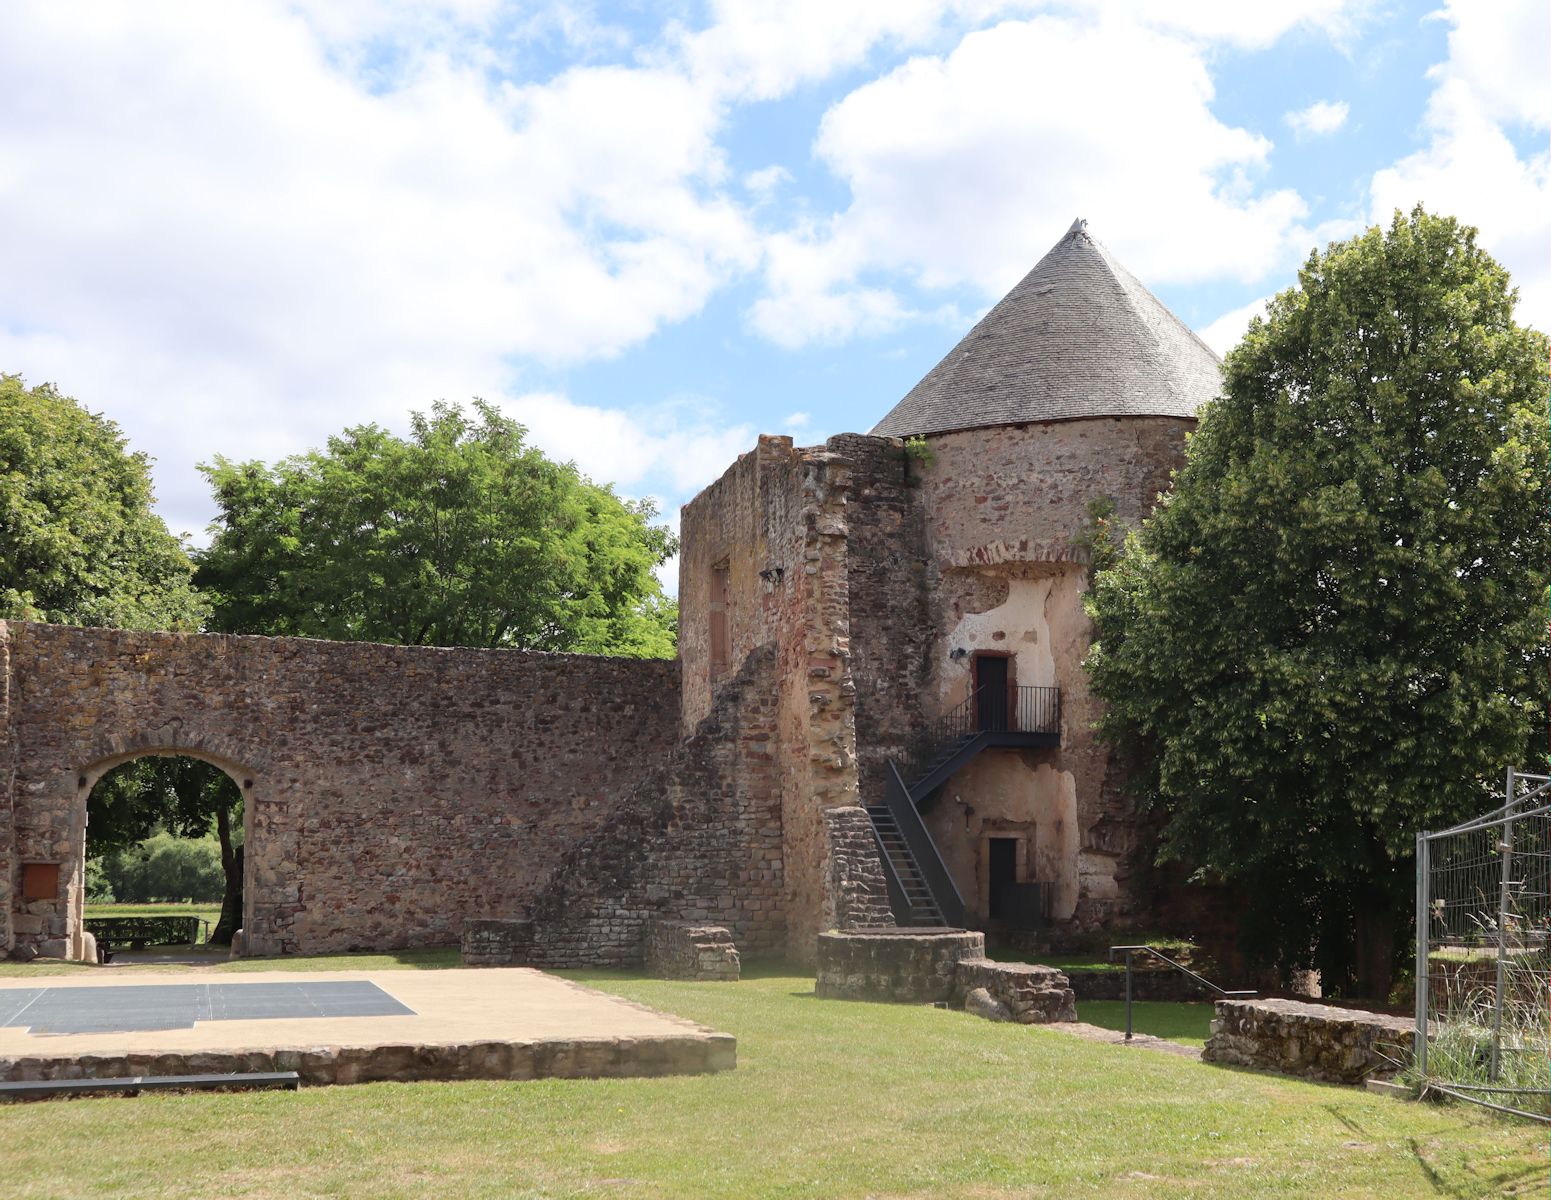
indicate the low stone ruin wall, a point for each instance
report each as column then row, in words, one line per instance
column 903, row 965
column 687, row 950
column 497, row 943
column 1021, row 992
column 939, row 966
column 1317, row 1041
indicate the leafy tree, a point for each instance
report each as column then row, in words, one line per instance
column 79, row 543
column 1332, row 634
column 461, row 534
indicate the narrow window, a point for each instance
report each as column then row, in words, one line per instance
column 718, row 611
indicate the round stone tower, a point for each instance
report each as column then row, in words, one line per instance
column 1078, row 386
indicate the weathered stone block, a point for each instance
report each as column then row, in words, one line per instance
column 688, row 950
column 1317, row 1041
column 902, row 965
column 1029, row 993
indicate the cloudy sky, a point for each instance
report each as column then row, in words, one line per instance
column 651, row 231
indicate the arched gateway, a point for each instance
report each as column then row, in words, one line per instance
column 391, row 793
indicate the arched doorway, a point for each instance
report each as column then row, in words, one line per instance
column 176, row 822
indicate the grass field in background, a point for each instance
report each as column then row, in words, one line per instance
column 1178, row 1022
column 210, row 913
column 830, row 1099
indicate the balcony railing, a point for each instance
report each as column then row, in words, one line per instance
column 987, row 710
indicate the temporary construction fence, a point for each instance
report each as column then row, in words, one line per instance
column 1483, row 964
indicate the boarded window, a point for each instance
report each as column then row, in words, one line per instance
column 718, row 613
column 40, row 881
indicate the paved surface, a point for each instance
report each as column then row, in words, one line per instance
column 145, row 1006
column 431, row 1008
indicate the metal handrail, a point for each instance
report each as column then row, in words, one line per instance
column 934, row 872
column 1180, row 967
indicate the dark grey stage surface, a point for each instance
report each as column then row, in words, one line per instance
column 133, row 1008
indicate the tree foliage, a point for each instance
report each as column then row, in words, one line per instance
column 460, row 534
column 1332, row 634
column 79, row 543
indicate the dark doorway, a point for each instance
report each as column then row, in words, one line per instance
column 991, row 692
column 1004, row 875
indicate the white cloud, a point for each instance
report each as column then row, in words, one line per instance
column 965, row 168
column 797, row 421
column 1319, row 119
column 1493, row 82
column 676, row 447
column 1223, row 334
column 233, row 244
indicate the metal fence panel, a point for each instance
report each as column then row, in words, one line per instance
column 1483, row 954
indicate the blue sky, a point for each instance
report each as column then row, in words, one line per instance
column 652, row 231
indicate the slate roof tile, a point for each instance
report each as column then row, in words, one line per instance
column 1078, row 337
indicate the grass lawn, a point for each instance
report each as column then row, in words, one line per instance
column 208, row 912
column 830, row 1099
column 1178, row 1022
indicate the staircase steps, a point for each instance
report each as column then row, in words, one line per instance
column 923, row 908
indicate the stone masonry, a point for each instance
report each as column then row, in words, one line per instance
column 901, row 965
column 1317, row 1041
column 1027, row 993
column 498, row 943
column 685, row 950
column 386, row 814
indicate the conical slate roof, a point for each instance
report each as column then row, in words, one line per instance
column 1078, row 337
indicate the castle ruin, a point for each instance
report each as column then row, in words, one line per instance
column 878, row 714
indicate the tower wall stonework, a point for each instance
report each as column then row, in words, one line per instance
column 1006, row 510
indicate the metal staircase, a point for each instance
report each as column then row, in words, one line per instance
column 921, row 891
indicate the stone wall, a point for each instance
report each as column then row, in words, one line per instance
column 1021, row 992
column 685, row 950
column 391, row 793
column 774, row 527
column 1005, row 513
column 859, row 894
column 497, row 943
column 696, row 838
column 905, row 966
column 1317, row 1041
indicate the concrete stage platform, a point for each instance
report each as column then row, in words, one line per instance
column 342, row 1027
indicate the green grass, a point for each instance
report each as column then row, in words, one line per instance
column 208, row 912
column 1186, row 1023
column 830, row 1099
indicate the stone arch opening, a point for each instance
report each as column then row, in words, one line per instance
column 72, row 884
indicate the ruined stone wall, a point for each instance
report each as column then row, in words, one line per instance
column 1006, row 509
column 892, row 586
column 697, row 838
column 787, row 512
column 391, row 792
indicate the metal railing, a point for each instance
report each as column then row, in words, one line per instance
column 985, row 710
column 1180, row 967
column 934, row 873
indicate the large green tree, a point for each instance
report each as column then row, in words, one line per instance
column 79, row 543
column 461, row 534
column 1332, row 634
